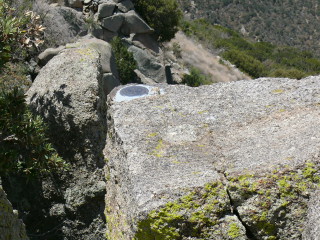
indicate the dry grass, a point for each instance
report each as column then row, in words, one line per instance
column 193, row 54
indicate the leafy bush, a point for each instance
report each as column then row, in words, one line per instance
column 24, row 146
column 162, row 15
column 17, row 31
column 195, row 78
column 124, row 60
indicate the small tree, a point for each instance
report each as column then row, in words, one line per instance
column 162, row 15
column 124, row 60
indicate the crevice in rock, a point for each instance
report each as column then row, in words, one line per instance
column 235, row 211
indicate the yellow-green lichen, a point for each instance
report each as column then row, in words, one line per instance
column 272, row 201
column 158, row 151
column 116, row 223
column 234, row 231
column 197, row 211
column 278, row 91
column 282, row 195
column 202, row 112
column 151, row 135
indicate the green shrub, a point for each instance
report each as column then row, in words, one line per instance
column 162, row 15
column 124, row 60
column 195, row 78
column 288, row 73
column 24, row 147
column 245, row 63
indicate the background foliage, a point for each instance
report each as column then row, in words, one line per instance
column 286, row 22
column 257, row 59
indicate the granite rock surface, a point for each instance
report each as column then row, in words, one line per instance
column 189, row 158
column 11, row 227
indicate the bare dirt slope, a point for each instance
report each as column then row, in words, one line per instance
column 194, row 54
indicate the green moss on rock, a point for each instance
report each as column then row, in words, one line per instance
column 234, row 231
column 193, row 215
column 272, row 206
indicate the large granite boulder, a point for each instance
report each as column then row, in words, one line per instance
column 105, row 10
column 149, row 63
column 113, row 23
column 48, row 54
column 133, row 23
column 11, row 228
column 69, row 93
column 63, row 24
column 233, row 160
column 107, row 59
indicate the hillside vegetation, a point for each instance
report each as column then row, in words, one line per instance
column 258, row 59
column 285, row 22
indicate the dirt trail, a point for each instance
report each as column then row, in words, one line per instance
column 194, row 54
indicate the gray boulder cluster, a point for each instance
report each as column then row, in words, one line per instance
column 108, row 19
column 111, row 18
column 114, row 19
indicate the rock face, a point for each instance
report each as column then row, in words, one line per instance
column 10, row 226
column 63, row 24
column 74, row 3
column 312, row 231
column 69, row 93
column 148, row 64
column 48, row 54
column 227, row 161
